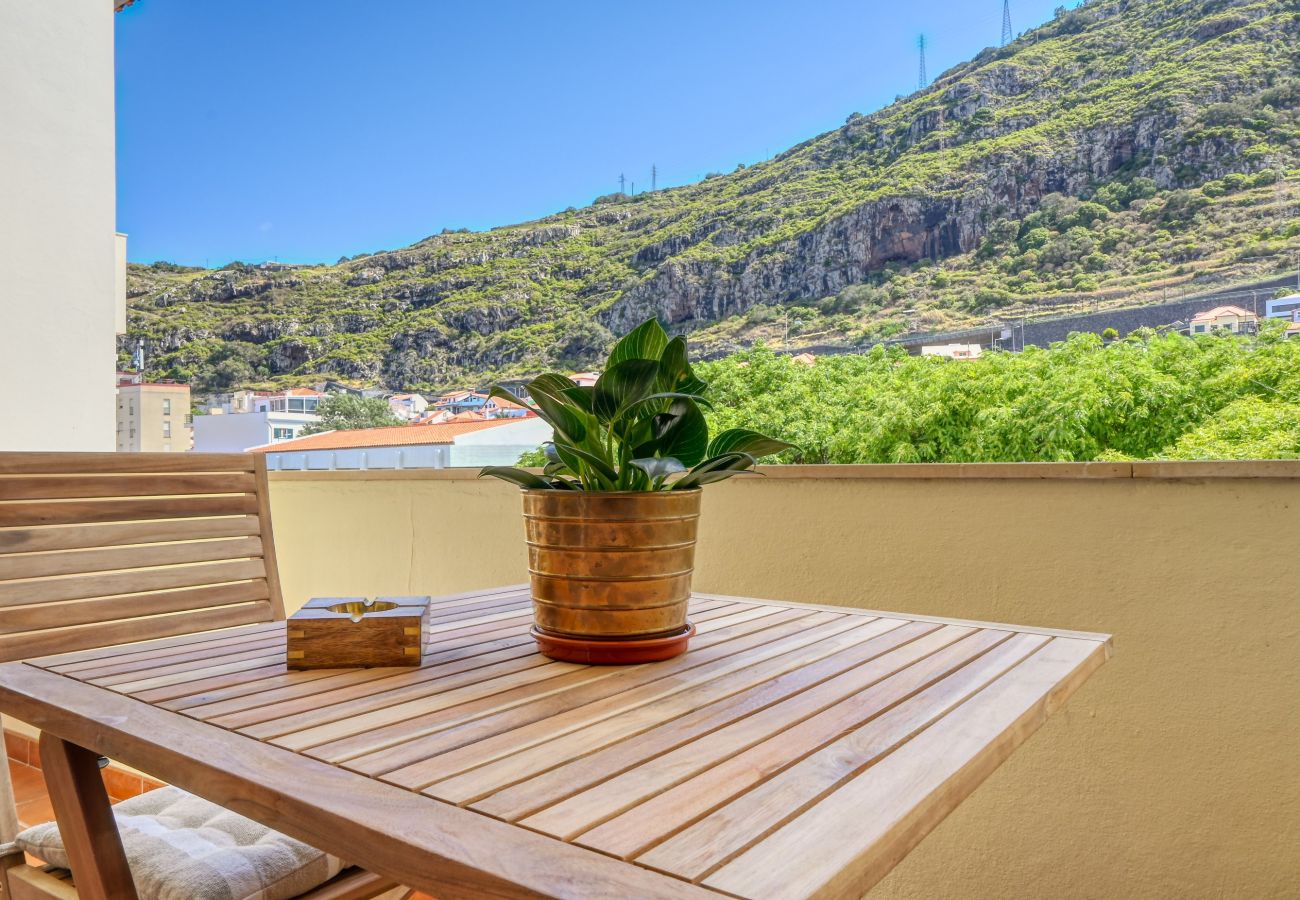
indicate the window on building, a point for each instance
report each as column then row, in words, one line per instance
column 281, row 434
column 167, row 429
column 167, row 406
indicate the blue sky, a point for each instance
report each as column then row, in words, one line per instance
column 303, row 130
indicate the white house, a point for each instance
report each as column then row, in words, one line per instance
column 219, row 432
column 1282, row 307
column 293, row 400
column 243, row 419
column 461, row 401
column 953, row 351
column 1224, row 318
column 490, row 442
column 407, row 406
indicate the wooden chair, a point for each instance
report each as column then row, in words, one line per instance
column 99, row 549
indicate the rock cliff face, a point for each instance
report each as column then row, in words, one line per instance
column 1128, row 104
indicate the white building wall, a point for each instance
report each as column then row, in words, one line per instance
column 500, row 445
column 57, row 223
column 424, row 456
column 237, row 432
column 1282, row 307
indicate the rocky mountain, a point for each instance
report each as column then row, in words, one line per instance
column 1123, row 149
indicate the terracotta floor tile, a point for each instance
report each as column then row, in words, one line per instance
column 16, row 746
column 28, row 782
column 122, row 785
column 34, row 812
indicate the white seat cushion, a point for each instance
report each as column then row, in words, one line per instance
column 181, row 847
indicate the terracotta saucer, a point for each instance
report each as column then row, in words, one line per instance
column 612, row 652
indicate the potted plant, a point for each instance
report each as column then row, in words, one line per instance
column 611, row 520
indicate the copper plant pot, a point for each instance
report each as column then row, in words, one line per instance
column 611, row 566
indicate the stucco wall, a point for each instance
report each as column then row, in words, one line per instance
column 57, row 229
column 1173, row 773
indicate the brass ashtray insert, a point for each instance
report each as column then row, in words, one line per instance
column 357, row 632
column 356, row 609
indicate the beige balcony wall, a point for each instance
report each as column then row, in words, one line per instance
column 1173, row 773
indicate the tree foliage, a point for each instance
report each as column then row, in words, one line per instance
column 1145, row 396
column 339, row 412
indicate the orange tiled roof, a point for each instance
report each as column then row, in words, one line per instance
column 1220, row 311
column 468, row 415
column 389, row 436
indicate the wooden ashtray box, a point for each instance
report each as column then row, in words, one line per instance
column 347, row 632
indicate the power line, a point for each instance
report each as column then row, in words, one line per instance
column 921, row 80
column 1006, row 22
column 622, row 184
column 654, row 177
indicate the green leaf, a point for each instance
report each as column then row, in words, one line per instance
column 583, row 396
column 715, row 468
column 748, row 441
column 621, row 385
column 558, row 411
column 646, row 341
column 551, row 383
column 675, row 373
column 580, row 461
column 498, row 391
column 647, row 403
column 520, row 477
column 713, row 475
column 673, row 365
column 683, row 434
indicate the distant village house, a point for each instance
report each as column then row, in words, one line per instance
column 1224, row 318
column 953, row 351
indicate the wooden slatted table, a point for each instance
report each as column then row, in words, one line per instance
column 795, row 751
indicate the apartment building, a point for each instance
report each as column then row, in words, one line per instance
column 153, row 417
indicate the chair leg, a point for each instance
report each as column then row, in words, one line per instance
column 86, row 821
column 10, row 858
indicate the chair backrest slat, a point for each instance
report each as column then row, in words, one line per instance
column 107, row 548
